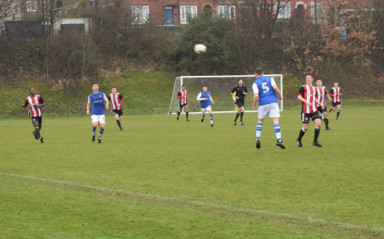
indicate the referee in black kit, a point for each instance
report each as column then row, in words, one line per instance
column 241, row 92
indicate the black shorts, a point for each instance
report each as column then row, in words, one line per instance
column 321, row 110
column 305, row 117
column 335, row 104
column 37, row 119
column 240, row 102
column 181, row 106
column 118, row 112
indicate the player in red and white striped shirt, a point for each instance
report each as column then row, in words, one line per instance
column 35, row 102
column 116, row 100
column 336, row 98
column 321, row 94
column 308, row 96
column 183, row 102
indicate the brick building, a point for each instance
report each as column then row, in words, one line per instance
column 176, row 12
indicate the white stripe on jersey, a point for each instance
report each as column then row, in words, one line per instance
column 115, row 101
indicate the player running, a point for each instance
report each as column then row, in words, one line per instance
column 308, row 96
column 116, row 100
column 335, row 94
column 35, row 102
column 183, row 102
column 205, row 103
column 265, row 90
column 97, row 98
column 321, row 94
column 239, row 92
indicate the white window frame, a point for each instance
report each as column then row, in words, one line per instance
column 320, row 8
column 230, row 9
column 140, row 14
column 285, row 10
column 183, row 13
column 31, row 6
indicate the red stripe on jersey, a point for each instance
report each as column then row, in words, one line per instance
column 321, row 94
column 336, row 92
column 309, row 95
column 183, row 97
column 115, row 101
column 34, row 109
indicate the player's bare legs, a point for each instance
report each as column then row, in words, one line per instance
column 118, row 119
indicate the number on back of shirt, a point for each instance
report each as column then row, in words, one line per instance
column 265, row 87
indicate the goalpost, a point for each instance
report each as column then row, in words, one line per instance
column 220, row 87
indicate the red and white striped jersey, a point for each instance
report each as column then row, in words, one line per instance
column 32, row 102
column 321, row 93
column 309, row 93
column 116, row 100
column 182, row 95
column 335, row 94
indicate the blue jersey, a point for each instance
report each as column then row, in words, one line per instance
column 264, row 87
column 97, row 101
column 207, row 102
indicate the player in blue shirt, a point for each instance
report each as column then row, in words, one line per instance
column 265, row 89
column 206, row 100
column 97, row 99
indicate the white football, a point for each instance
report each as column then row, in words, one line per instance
column 200, row 48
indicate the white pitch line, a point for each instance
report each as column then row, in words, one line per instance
column 196, row 203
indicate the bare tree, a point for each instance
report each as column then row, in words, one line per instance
column 8, row 10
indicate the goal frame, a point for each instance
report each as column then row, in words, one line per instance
column 220, row 77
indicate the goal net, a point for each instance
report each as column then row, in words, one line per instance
column 220, row 88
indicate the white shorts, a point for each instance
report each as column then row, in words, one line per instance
column 98, row 119
column 205, row 110
column 272, row 109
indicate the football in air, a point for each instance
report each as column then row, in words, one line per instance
column 200, row 48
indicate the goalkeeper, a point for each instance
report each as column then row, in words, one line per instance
column 239, row 92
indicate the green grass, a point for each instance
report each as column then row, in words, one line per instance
column 163, row 178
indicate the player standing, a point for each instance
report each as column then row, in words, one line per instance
column 183, row 102
column 97, row 98
column 206, row 100
column 335, row 94
column 240, row 91
column 321, row 94
column 116, row 100
column 35, row 102
column 265, row 90
column 308, row 96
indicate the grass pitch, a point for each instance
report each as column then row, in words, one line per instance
column 162, row 178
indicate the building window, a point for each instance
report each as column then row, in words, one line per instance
column 227, row 12
column 318, row 11
column 284, row 10
column 187, row 12
column 140, row 14
column 31, row 6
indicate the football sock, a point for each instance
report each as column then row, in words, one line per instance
column 237, row 116
column 93, row 131
column 241, row 116
column 101, row 131
column 326, row 122
column 37, row 132
column 317, row 132
column 211, row 118
column 118, row 123
column 259, row 127
column 178, row 113
column 186, row 112
column 277, row 131
column 301, row 134
column 338, row 113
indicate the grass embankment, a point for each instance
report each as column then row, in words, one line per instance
column 144, row 91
